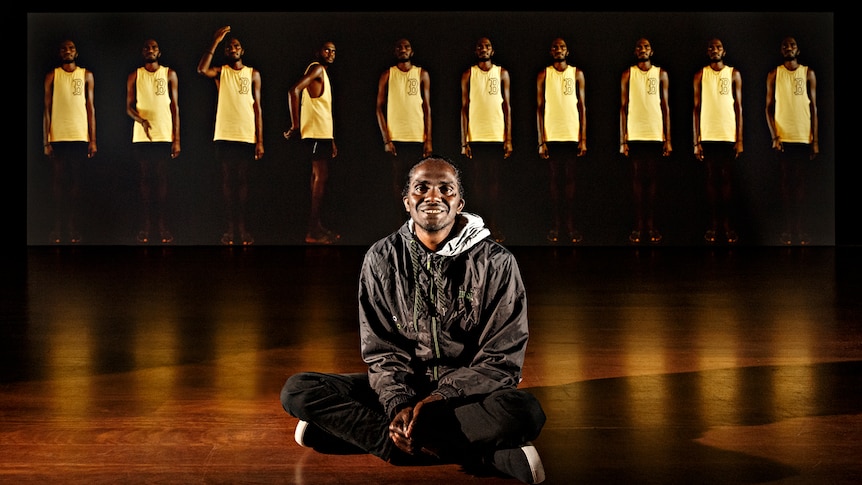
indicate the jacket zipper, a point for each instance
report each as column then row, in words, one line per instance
column 434, row 322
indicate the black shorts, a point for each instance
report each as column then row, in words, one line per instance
column 318, row 148
column 794, row 153
column 645, row 150
column 562, row 150
column 151, row 151
column 234, row 151
column 74, row 151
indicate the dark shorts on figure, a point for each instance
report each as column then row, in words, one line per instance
column 151, row 151
column 645, row 150
column 794, row 152
column 75, row 151
column 562, row 150
column 234, row 151
column 719, row 152
column 318, row 148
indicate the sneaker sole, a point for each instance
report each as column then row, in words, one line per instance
column 299, row 434
column 535, row 462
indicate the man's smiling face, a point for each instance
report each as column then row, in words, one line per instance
column 433, row 198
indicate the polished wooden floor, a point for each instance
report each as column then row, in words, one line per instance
column 655, row 365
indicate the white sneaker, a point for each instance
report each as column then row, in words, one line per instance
column 537, row 469
column 522, row 463
column 299, row 434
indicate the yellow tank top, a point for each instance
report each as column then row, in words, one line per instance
column 404, row 114
column 69, row 106
column 644, row 114
column 562, row 122
column 315, row 115
column 792, row 105
column 235, row 111
column 717, row 117
column 153, row 103
column 486, row 121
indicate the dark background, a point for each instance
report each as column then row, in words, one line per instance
column 280, row 45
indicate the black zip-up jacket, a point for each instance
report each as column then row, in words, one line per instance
column 451, row 322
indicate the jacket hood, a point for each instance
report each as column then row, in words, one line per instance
column 471, row 233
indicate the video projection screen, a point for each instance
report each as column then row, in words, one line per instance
column 359, row 202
